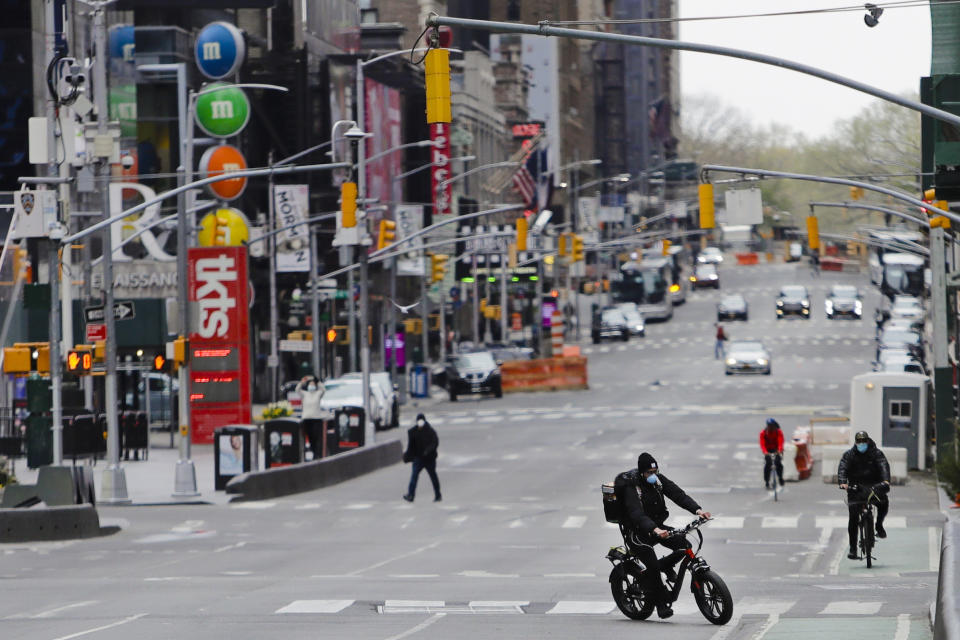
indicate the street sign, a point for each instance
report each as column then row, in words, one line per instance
column 219, row 50
column 327, row 283
column 121, row 311
column 220, row 160
column 96, row 332
column 298, row 346
column 222, row 110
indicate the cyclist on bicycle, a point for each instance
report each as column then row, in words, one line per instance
column 771, row 443
column 864, row 464
column 646, row 510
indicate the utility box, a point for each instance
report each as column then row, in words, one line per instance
column 892, row 408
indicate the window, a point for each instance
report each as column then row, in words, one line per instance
column 901, row 409
column 513, row 9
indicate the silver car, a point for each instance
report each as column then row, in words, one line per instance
column 634, row 318
column 747, row 356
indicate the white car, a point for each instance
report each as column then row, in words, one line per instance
column 387, row 391
column 348, row 392
column 710, row 255
column 907, row 308
column 634, row 318
column 747, row 356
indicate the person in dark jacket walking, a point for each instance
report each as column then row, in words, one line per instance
column 646, row 511
column 421, row 450
column 865, row 465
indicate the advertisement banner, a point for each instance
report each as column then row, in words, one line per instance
column 219, row 339
column 409, row 219
column 291, row 204
column 442, row 198
column 383, row 117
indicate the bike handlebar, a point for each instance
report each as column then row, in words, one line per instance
column 696, row 524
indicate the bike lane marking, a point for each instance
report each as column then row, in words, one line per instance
column 903, row 550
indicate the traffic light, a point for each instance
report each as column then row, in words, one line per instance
column 437, row 79
column 438, row 266
column 42, row 356
column 705, row 191
column 80, row 360
column 856, row 193
column 387, row 234
column 159, row 362
column 521, row 234
column 348, row 205
column 339, row 334
column 16, row 359
column 221, row 231
column 813, row 232
column 577, row 253
column 666, row 247
column 562, row 245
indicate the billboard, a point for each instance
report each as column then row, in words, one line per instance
column 219, row 339
column 383, row 120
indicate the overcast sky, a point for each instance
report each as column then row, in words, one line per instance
column 892, row 56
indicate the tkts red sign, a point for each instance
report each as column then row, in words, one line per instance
column 219, row 340
column 440, row 135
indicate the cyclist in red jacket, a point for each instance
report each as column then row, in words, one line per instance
column 771, row 443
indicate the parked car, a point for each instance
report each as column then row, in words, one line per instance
column 896, row 338
column 387, row 392
column 609, row 323
column 710, row 255
column 843, row 301
column 793, row 300
column 732, row 306
column 348, row 392
column 747, row 356
column 633, row 317
column 163, row 390
column 505, row 353
column 475, row 372
column 898, row 360
column 907, row 308
column 705, row 275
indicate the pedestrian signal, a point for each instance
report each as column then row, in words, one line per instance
column 80, row 361
column 159, row 362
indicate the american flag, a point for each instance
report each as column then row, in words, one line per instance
column 525, row 179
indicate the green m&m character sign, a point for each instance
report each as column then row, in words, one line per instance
column 222, row 110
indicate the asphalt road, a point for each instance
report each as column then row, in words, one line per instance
column 516, row 549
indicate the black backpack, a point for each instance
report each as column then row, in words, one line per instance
column 614, row 496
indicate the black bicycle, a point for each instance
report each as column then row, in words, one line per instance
column 864, row 496
column 637, row 603
column 771, row 461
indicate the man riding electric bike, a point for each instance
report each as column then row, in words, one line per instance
column 865, row 465
column 646, row 511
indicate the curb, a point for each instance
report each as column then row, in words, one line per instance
column 307, row 476
column 49, row 523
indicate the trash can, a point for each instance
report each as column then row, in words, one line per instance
column 283, row 442
column 349, row 425
column 421, row 381
column 236, row 450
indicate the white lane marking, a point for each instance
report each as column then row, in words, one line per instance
column 779, row 522
column 516, row 524
column 190, row 526
column 851, row 608
column 458, row 520
column 230, row 546
column 903, row 627
column 315, row 606
column 420, row 627
column 583, row 607
column 310, row 505
column 574, row 522
column 254, row 505
column 104, row 627
column 358, row 506
column 395, row 558
column 461, row 421
column 480, row 573
column 50, row 612
column 933, row 547
column 521, row 417
column 741, row 455
column 818, row 549
column 414, row 576
column 569, row 575
column 498, row 606
column 727, row 522
column 709, row 456
column 490, row 419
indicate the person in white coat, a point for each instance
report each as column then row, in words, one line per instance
column 311, row 391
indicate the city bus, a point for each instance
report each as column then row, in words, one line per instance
column 646, row 284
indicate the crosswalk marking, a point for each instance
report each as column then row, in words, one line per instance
column 726, row 522
column 582, row 607
column 779, row 522
column 574, row 522
column 848, row 608
column 315, row 606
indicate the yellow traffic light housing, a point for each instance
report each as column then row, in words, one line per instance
column 705, row 193
column 438, row 266
column 16, row 360
column 348, row 205
column 437, row 79
column 856, row 193
column 813, row 233
column 666, row 247
column 577, row 253
column 521, row 234
column 562, row 245
column 339, row 334
column 387, row 234
column 43, row 358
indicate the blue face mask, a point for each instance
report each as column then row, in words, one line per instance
column 861, row 447
column 652, row 478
